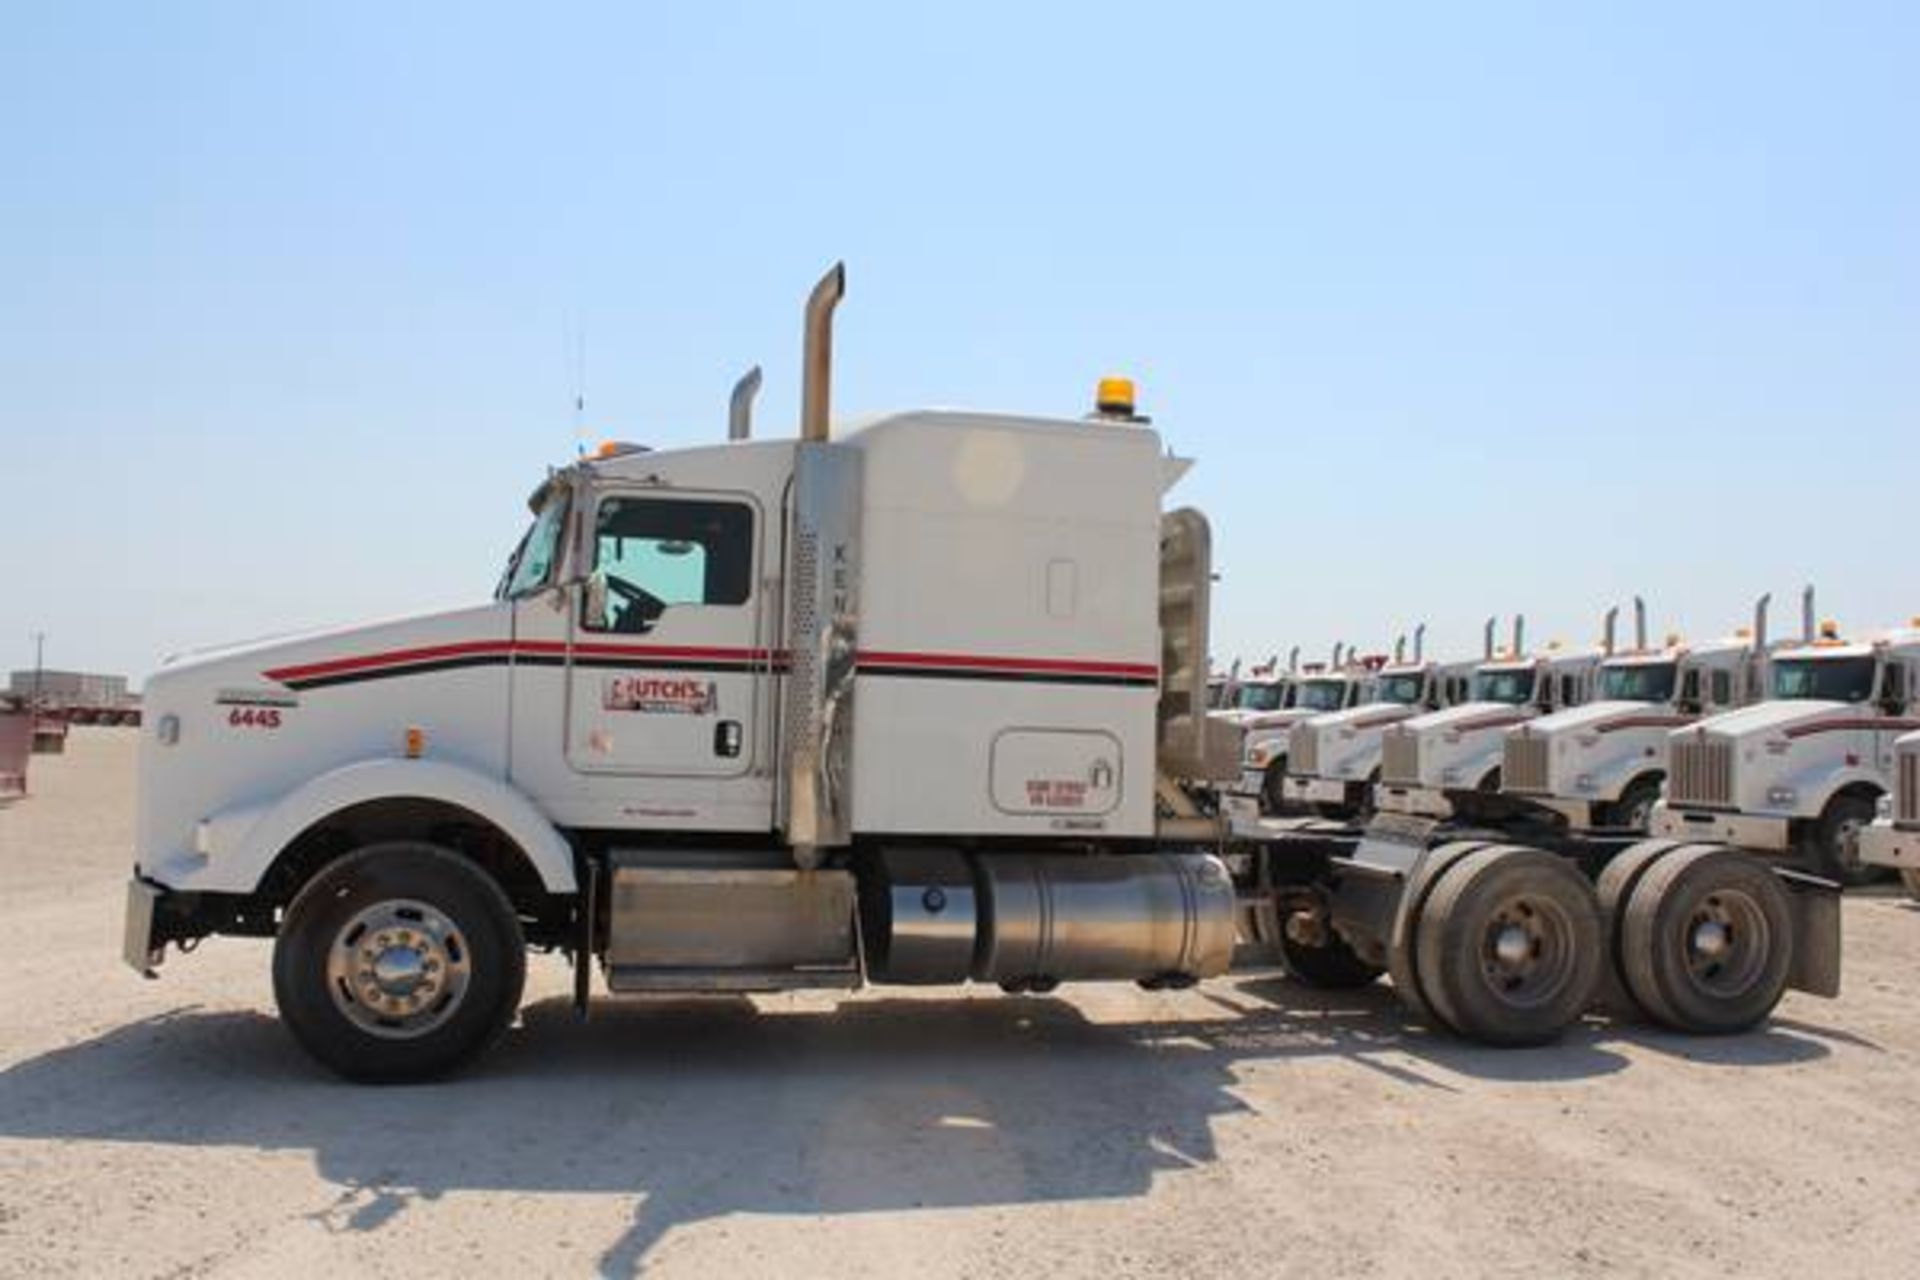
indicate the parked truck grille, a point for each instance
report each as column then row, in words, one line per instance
column 1400, row 759
column 1906, row 805
column 1303, row 750
column 1700, row 772
column 1524, row 767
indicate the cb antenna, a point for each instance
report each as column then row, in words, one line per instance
column 575, row 340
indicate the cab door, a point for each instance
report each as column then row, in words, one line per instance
column 668, row 665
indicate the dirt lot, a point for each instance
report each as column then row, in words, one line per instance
column 171, row 1129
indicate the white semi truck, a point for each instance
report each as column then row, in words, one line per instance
column 1800, row 773
column 919, row 702
column 1600, row 765
column 1446, row 764
column 1333, row 759
column 1343, row 682
column 1894, row 838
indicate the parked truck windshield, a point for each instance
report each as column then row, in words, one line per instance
column 1403, row 689
column 1828, row 679
column 1638, row 682
column 1263, row 697
column 532, row 561
column 1514, row 687
column 1322, row 695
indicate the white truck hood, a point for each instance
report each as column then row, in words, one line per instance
column 1769, row 717
column 1369, row 715
column 1587, row 716
column 1468, row 715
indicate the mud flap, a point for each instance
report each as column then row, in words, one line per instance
column 1815, row 904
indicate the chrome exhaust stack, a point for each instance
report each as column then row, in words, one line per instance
column 1519, row 634
column 1607, row 630
column 1809, row 629
column 1486, row 644
column 1420, row 642
column 816, row 385
column 740, row 405
column 1760, row 608
column 1399, row 649
column 1293, row 659
column 1639, row 624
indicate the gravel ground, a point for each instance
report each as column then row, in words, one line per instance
column 171, row 1129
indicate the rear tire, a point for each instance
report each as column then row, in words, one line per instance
column 1835, row 841
column 1706, row 940
column 1332, row 966
column 399, row 962
column 1511, row 947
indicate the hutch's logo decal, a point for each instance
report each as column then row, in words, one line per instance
column 661, row 695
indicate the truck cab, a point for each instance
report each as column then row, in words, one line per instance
column 1801, row 772
column 1894, row 838
column 1601, row 765
column 1333, row 760
column 1316, row 691
column 1447, row 763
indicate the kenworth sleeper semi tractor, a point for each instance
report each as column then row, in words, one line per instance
column 1263, row 766
column 918, row 702
column 1600, row 765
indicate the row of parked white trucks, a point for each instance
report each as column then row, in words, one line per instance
column 924, row 700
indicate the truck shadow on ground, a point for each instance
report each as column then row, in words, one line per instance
column 701, row 1109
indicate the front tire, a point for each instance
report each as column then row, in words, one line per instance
column 1835, row 840
column 399, row 962
column 1273, row 788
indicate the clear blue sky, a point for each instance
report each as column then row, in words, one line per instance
column 1462, row 309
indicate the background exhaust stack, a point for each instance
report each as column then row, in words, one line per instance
column 1399, row 649
column 1607, row 629
column 1293, row 659
column 1519, row 634
column 1808, row 628
column 1334, row 664
column 1420, row 642
column 1487, row 645
column 740, row 405
column 816, row 385
column 1760, row 622
column 1639, row 624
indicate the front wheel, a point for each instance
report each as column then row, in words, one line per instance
column 1836, row 841
column 398, row 962
column 1273, row 788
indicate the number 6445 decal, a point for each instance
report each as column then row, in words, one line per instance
column 254, row 717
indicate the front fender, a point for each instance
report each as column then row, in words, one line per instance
column 243, row 842
column 1814, row 787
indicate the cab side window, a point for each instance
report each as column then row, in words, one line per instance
column 1722, row 687
column 1893, row 694
column 1689, row 699
column 651, row 554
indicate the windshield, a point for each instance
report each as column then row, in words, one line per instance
column 1404, row 690
column 1514, row 687
column 1641, row 682
column 1829, row 679
column 1322, row 695
column 1263, row 697
column 532, row 561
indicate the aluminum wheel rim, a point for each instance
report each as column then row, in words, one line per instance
column 1526, row 952
column 1846, row 843
column 398, row 969
column 1726, row 943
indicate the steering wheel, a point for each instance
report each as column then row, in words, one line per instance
column 649, row 605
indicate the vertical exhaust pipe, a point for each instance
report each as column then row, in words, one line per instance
column 1760, row 622
column 1808, row 628
column 1333, row 663
column 1486, row 647
column 1519, row 634
column 1293, row 659
column 816, row 387
column 1399, row 649
column 1639, row 624
column 1607, row 630
column 1420, row 642
column 740, row 405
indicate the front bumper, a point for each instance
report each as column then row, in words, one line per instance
column 1316, row 790
column 1741, row 830
column 137, row 945
column 1885, row 845
column 1420, row 802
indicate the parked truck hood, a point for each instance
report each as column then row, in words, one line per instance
column 1587, row 716
column 1769, row 717
column 1469, row 715
column 1367, row 716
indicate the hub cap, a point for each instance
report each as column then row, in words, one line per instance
column 1727, row 942
column 398, row 969
column 1527, row 953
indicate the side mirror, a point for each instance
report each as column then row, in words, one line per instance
column 594, row 609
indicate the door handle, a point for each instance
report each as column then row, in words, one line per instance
column 727, row 738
